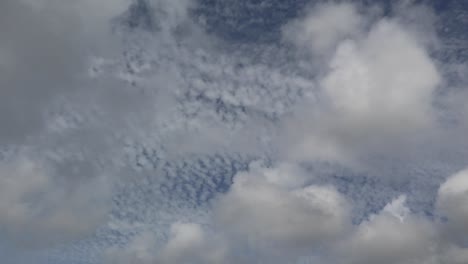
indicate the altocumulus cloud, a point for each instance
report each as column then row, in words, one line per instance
column 134, row 133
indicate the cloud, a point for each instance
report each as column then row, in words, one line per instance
column 387, row 79
column 281, row 217
column 38, row 209
column 45, row 48
column 376, row 93
column 455, row 255
column 324, row 27
column 138, row 139
column 187, row 243
column 53, row 187
column 452, row 201
column 397, row 235
column 261, row 219
column 370, row 95
column 268, row 212
column 391, row 236
column 139, row 250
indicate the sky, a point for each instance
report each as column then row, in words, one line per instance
column 222, row 132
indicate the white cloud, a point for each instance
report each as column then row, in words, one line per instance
column 390, row 238
column 378, row 93
column 452, row 203
column 45, row 46
column 269, row 215
column 324, row 27
column 187, row 243
column 174, row 13
column 38, row 209
column 388, row 79
column 263, row 219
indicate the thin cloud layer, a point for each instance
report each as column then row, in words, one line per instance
column 45, row 48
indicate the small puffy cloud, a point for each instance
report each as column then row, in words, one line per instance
column 324, row 26
column 188, row 243
column 38, row 207
column 267, row 213
column 386, row 80
column 184, row 240
column 452, row 203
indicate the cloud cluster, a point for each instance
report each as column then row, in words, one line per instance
column 263, row 219
column 129, row 130
column 374, row 96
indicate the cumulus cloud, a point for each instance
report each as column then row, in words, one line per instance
column 280, row 228
column 397, row 235
column 378, row 91
column 388, row 78
column 373, row 95
column 262, row 219
column 391, row 236
column 267, row 213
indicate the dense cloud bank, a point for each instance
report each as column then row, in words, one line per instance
column 139, row 132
